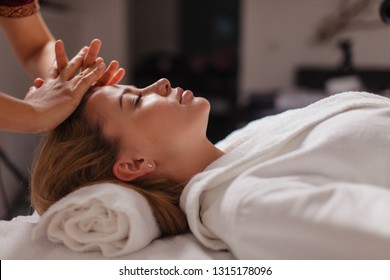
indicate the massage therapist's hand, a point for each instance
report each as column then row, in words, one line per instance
column 54, row 99
column 112, row 75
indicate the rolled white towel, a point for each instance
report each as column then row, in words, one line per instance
column 105, row 217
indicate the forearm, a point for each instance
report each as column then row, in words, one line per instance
column 39, row 63
column 17, row 115
column 32, row 41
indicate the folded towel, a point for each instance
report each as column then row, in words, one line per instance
column 105, row 217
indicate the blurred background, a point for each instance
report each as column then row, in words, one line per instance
column 250, row 58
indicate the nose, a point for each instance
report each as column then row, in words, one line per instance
column 161, row 87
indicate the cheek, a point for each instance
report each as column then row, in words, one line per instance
column 157, row 113
column 132, row 137
column 155, row 125
column 163, row 122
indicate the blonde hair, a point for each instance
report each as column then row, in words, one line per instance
column 76, row 154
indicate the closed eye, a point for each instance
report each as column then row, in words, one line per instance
column 133, row 100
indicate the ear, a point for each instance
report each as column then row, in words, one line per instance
column 129, row 170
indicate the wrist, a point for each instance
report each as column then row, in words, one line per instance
column 32, row 121
column 18, row 115
column 18, row 8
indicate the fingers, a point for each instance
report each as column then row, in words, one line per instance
column 87, row 78
column 85, row 59
column 113, row 75
column 71, row 68
column 92, row 53
column 38, row 82
column 118, row 76
column 108, row 74
column 61, row 57
column 60, row 61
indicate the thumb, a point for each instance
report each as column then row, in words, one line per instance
column 38, row 82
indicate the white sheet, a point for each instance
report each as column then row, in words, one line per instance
column 100, row 221
column 311, row 183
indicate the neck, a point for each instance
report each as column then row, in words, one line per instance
column 192, row 160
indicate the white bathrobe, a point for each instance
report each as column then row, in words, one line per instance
column 311, row 183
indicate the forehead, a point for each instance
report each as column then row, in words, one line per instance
column 101, row 101
column 104, row 93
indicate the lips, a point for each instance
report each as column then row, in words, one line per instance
column 180, row 92
column 184, row 96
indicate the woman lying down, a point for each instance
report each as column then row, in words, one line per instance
column 311, row 183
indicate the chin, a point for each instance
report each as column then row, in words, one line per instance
column 204, row 103
column 205, row 113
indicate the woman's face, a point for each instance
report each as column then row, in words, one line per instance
column 149, row 120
